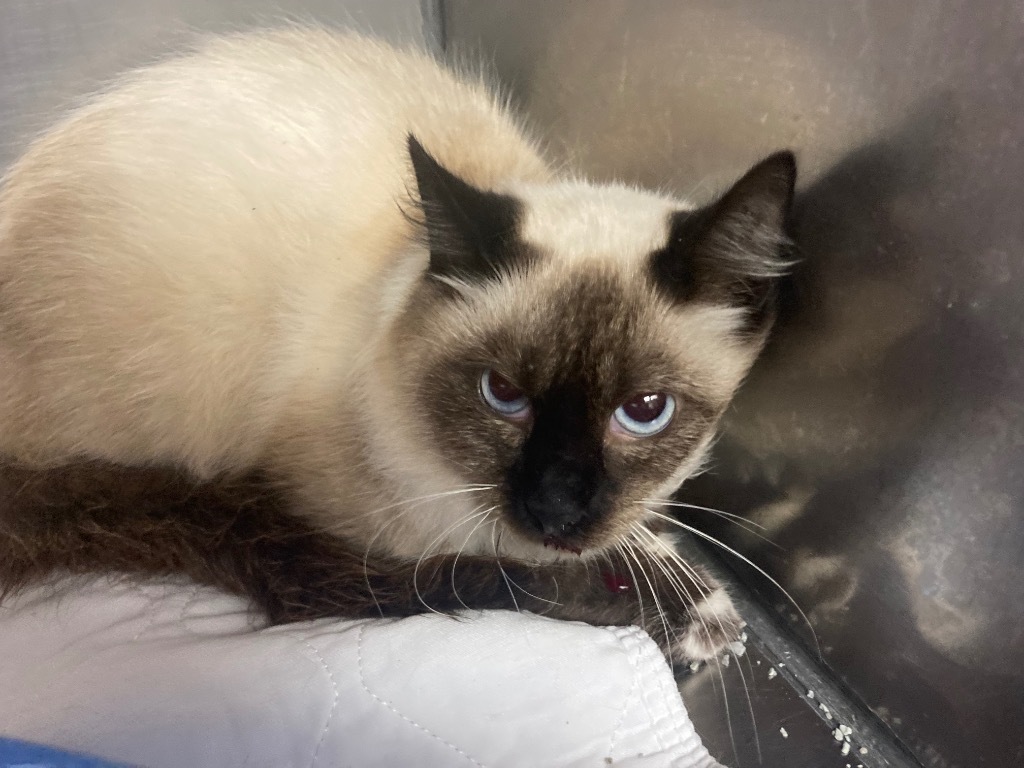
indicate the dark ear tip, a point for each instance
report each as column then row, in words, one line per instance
column 416, row 149
column 783, row 157
column 781, row 164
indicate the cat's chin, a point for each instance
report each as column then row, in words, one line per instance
column 532, row 549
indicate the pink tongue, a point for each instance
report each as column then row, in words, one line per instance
column 616, row 583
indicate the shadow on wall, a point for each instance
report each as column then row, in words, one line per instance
column 881, row 438
column 876, row 441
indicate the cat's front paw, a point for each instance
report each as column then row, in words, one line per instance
column 713, row 625
column 690, row 631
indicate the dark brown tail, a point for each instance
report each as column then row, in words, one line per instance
column 238, row 535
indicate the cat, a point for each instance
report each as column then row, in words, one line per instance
column 310, row 318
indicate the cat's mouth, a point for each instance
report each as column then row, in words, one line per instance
column 571, row 539
column 568, row 542
column 560, row 544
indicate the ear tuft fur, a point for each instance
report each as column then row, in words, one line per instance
column 734, row 250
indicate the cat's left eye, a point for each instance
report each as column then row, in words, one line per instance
column 644, row 414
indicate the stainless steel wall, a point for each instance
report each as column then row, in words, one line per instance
column 881, row 439
column 54, row 51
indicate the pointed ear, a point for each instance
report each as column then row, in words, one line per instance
column 734, row 250
column 471, row 233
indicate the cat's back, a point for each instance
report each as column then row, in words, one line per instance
column 190, row 245
column 309, row 94
column 297, row 116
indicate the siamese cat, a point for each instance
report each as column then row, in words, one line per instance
column 311, row 319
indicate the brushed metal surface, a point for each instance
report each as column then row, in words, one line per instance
column 55, row 51
column 881, row 439
column 776, row 704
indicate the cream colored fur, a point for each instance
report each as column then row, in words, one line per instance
column 202, row 267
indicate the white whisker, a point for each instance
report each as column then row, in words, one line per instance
column 699, row 508
column 737, row 520
column 728, row 714
column 749, row 562
column 437, row 539
column 366, row 554
column 750, row 707
column 698, row 582
column 413, row 503
column 669, row 634
column 455, row 562
column 419, row 500
column 508, row 585
column 678, row 587
column 674, row 580
column 636, row 583
column 518, row 586
column 705, row 591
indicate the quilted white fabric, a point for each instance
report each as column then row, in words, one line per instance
column 168, row 675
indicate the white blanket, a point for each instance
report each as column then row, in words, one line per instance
column 176, row 676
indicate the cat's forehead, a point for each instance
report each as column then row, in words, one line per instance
column 591, row 320
column 580, row 299
column 574, row 220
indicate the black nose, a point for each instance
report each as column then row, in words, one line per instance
column 557, row 499
column 556, row 487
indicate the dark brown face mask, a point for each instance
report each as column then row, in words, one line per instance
column 576, row 405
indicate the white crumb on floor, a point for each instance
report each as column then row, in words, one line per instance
column 772, row 673
column 846, row 749
column 784, row 732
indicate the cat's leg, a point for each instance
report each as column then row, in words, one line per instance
column 682, row 607
column 706, row 621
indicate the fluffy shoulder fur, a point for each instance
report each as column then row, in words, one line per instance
column 204, row 192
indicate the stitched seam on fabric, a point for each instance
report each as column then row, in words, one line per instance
column 388, row 705
column 334, row 703
column 647, row 707
column 687, row 740
column 683, row 735
column 655, row 668
column 633, row 656
column 653, row 665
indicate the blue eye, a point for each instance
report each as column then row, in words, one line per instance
column 644, row 414
column 503, row 396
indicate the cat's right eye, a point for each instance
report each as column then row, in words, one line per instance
column 503, row 396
